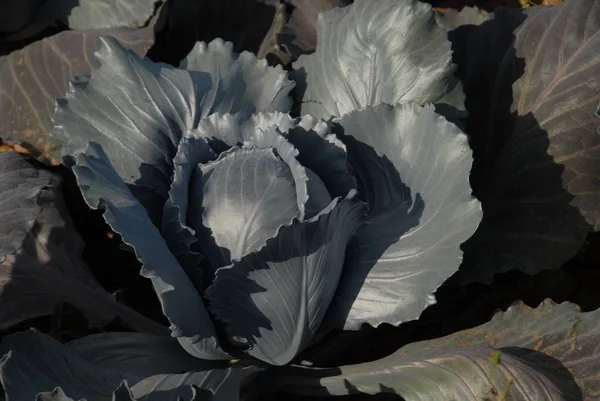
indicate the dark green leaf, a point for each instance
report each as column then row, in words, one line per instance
column 35, row 363
column 139, row 354
column 532, row 99
column 547, row 353
column 42, row 264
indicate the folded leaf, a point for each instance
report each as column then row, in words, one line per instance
column 412, row 168
column 549, row 353
column 377, row 51
column 274, row 300
column 33, row 78
column 103, row 189
column 532, row 102
column 41, row 251
column 180, row 237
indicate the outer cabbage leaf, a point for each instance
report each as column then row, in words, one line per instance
column 139, row 355
column 265, row 88
column 41, row 252
column 31, row 79
column 274, row 300
column 138, row 111
column 98, row 14
column 550, row 352
column 222, row 385
column 377, row 51
column 122, row 393
column 457, row 375
column 35, row 363
column 560, row 331
column 535, row 133
column 102, row 188
column 412, row 168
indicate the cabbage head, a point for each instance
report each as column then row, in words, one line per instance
column 259, row 230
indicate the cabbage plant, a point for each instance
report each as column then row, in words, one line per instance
column 274, row 221
column 261, row 230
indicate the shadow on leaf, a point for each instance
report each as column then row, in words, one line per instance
column 46, row 269
column 533, row 141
